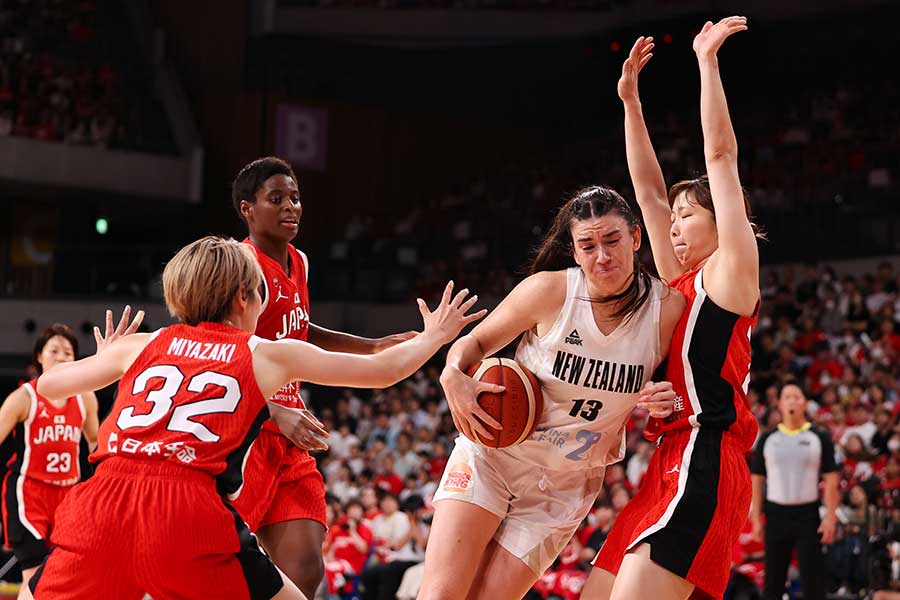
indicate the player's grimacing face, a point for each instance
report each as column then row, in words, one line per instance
column 276, row 210
column 693, row 232
column 604, row 249
column 56, row 350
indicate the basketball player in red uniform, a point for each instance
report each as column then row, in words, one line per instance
column 674, row 538
column 191, row 401
column 48, row 458
column 285, row 506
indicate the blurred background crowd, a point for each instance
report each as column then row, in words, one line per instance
column 433, row 140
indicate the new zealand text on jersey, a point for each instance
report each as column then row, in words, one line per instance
column 599, row 375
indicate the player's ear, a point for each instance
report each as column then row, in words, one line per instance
column 636, row 238
column 246, row 208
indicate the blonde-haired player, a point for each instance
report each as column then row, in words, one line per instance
column 191, row 401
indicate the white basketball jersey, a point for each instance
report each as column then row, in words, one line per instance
column 590, row 381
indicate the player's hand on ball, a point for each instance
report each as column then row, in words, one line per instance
column 123, row 329
column 462, row 397
column 300, row 426
column 658, row 398
column 638, row 57
column 449, row 318
column 711, row 37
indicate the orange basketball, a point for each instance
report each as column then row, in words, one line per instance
column 518, row 408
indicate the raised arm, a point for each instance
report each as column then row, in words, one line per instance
column 338, row 341
column 94, row 372
column 116, row 350
column 646, row 175
column 732, row 274
column 290, row 360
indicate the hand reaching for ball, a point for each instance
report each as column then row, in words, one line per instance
column 462, row 396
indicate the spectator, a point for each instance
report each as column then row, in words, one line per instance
column 346, row 548
column 381, row 582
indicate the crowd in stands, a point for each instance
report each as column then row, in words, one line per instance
column 811, row 165
column 67, row 74
column 604, row 5
column 836, row 336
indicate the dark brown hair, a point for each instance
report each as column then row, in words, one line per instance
column 699, row 194
column 556, row 250
column 57, row 329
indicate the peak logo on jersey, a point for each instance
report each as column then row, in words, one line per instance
column 600, row 374
column 459, row 478
column 574, row 339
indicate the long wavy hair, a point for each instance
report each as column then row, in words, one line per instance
column 556, row 251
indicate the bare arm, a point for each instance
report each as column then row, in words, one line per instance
column 756, row 506
column 13, row 411
column 94, row 372
column 646, row 174
column 732, row 274
column 533, row 304
column 337, row 341
column 91, row 419
column 832, row 501
column 277, row 363
column 673, row 305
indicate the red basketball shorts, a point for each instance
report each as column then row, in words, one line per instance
column 29, row 506
column 152, row 527
column 690, row 509
column 281, row 483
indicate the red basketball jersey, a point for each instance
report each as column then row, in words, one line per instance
column 285, row 311
column 709, row 366
column 190, row 398
column 47, row 442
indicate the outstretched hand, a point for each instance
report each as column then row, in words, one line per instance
column 449, row 317
column 639, row 56
column 711, row 37
column 123, row 329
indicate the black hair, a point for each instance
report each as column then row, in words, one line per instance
column 555, row 252
column 252, row 177
column 57, row 329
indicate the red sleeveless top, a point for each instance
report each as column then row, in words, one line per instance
column 709, row 366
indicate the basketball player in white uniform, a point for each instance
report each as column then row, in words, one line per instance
column 593, row 335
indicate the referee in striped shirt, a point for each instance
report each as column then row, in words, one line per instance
column 787, row 464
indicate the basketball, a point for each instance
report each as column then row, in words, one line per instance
column 518, row 408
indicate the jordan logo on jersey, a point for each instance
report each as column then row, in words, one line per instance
column 280, row 295
column 574, row 339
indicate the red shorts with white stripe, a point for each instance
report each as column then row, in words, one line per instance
column 690, row 509
column 29, row 506
column 281, row 483
column 153, row 527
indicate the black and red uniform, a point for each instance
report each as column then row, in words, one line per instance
column 282, row 482
column 155, row 517
column 45, row 464
column 696, row 493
